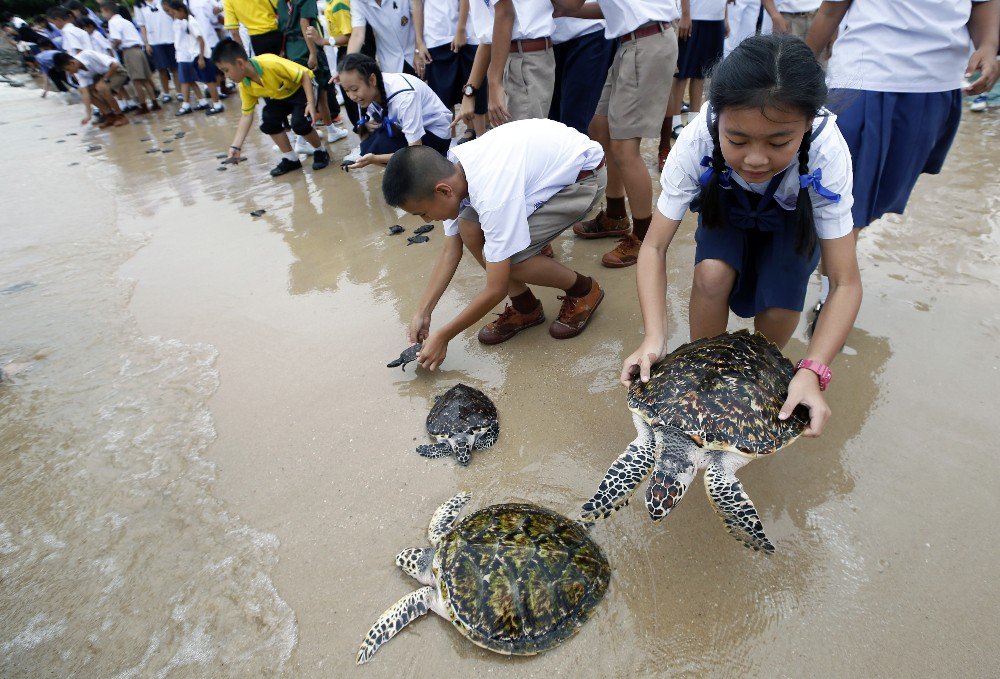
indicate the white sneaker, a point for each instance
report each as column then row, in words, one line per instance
column 334, row 133
column 980, row 103
column 302, row 146
column 353, row 156
column 165, row 98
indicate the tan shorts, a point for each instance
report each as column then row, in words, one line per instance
column 135, row 62
column 528, row 80
column 638, row 86
column 116, row 81
column 798, row 25
column 558, row 213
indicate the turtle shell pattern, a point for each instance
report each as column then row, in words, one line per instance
column 519, row 579
column 461, row 409
column 725, row 392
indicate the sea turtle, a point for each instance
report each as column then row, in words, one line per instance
column 516, row 579
column 413, row 240
column 395, row 229
column 408, row 355
column 423, row 229
column 712, row 404
column 462, row 419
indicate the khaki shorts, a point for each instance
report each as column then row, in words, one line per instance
column 798, row 25
column 117, row 80
column 638, row 86
column 528, row 80
column 571, row 204
column 135, row 62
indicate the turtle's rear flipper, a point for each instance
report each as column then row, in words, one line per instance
column 402, row 613
column 733, row 505
column 623, row 477
column 442, row 449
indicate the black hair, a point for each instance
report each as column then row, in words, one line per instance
column 766, row 71
column 365, row 66
column 59, row 13
column 61, row 60
column 176, row 5
column 6, row 17
column 109, row 5
column 228, row 51
column 75, row 5
column 412, row 173
column 45, row 44
column 85, row 23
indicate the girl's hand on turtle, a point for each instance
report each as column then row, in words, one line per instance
column 639, row 363
column 433, row 351
column 804, row 390
column 420, row 328
column 363, row 161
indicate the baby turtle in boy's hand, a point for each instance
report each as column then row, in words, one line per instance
column 93, row 147
column 416, row 239
column 257, row 213
column 423, row 229
column 393, row 230
column 408, row 356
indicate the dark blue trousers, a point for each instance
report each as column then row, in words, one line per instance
column 581, row 67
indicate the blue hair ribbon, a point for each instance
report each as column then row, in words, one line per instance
column 813, row 181
column 706, row 176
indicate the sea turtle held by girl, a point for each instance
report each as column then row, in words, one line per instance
column 462, row 419
column 516, row 579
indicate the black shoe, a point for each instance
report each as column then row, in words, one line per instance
column 183, row 111
column 814, row 313
column 685, row 107
column 465, row 138
column 321, row 158
column 286, row 166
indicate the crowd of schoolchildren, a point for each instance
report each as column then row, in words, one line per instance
column 819, row 117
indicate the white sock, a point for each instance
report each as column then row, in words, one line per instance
column 203, row 102
column 290, row 156
column 824, row 288
column 676, row 121
column 131, row 102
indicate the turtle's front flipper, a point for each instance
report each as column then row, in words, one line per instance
column 623, row 477
column 442, row 449
column 444, row 517
column 674, row 472
column 732, row 503
column 402, row 613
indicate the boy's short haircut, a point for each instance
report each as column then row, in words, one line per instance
column 412, row 174
column 228, row 51
column 61, row 60
column 59, row 13
column 87, row 22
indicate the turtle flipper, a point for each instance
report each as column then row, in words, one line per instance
column 488, row 437
column 624, row 476
column 732, row 504
column 444, row 517
column 402, row 613
column 442, row 449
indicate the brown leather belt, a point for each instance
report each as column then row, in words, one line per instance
column 590, row 173
column 531, row 45
column 651, row 28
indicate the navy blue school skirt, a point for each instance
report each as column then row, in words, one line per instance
column 188, row 72
column 701, row 50
column 894, row 138
column 379, row 142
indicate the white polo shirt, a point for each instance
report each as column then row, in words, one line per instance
column 912, row 46
column 569, row 28
column 481, row 20
column 159, row 25
column 440, row 21
column 75, row 39
column 415, row 107
column 202, row 11
column 186, row 34
column 827, row 152
column 97, row 65
column 513, row 170
column 395, row 41
column 100, row 43
column 533, row 18
column 123, row 30
column 708, row 10
column 624, row 16
column 795, row 6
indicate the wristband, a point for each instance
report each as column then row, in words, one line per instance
column 236, row 147
column 822, row 371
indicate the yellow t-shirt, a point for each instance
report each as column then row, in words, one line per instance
column 338, row 17
column 259, row 16
column 280, row 79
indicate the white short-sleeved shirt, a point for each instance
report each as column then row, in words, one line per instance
column 395, row 41
column 100, row 43
column 202, row 11
column 123, row 30
column 159, row 25
column 793, row 6
column 569, row 28
column 75, row 39
column 827, row 152
column 440, row 21
column 415, row 107
column 186, row 34
column 513, row 171
column 532, row 18
column 97, row 65
column 708, row 10
column 912, row 46
column 481, row 20
column 624, row 16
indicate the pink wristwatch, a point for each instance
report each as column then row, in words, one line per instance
column 822, row 371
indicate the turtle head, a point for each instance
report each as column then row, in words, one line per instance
column 416, row 561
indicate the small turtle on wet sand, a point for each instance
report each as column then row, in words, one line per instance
column 463, row 419
column 711, row 404
column 93, row 147
column 412, row 240
column 257, row 213
column 423, row 229
column 515, row 579
column 396, row 228
column 407, row 356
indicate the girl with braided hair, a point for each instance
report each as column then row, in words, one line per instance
column 770, row 175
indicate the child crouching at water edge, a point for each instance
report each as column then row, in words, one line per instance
column 769, row 173
column 192, row 67
column 510, row 193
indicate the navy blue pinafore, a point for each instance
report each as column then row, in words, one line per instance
column 389, row 137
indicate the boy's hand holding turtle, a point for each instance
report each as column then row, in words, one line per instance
column 420, row 328
column 433, row 351
column 640, row 361
column 804, row 390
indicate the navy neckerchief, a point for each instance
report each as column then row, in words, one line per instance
column 389, row 123
column 767, row 215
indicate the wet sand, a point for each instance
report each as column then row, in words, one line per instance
column 886, row 547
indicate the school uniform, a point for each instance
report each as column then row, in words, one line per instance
column 895, row 82
column 395, row 42
column 75, row 39
column 759, row 240
column 743, row 17
column 703, row 48
column 101, row 44
column 281, row 90
column 96, row 66
column 448, row 71
column 583, row 56
column 159, row 34
column 202, row 11
column 186, row 34
column 530, row 73
column 260, row 19
column 130, row 45
column 45, row 62
column 529, row 181
column 637, row 87
column 799, row 14
column 411, row 112
column 296, row 47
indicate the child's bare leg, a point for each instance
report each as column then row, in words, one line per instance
column 479, row 124
column 708, row 310
column 634, row 177
column 185, row 92
column 281, row 140
column 323, row 106
column 473, row 239
column 146, row 89
column 313, row 138
column 104, row 94
column 545, row 271
column 697, row 91
column 213, row 92
column 600, row 132
column 777, row 324
column 164, row 81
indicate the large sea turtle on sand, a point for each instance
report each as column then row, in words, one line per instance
column 462, row 419
column 516, row 579
column 711, row 404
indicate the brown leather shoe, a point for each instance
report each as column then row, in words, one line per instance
column 603, row 226
column 575, row 313
column 626, row 253
column 509, row 323
column 120, row 120
column 142, row 109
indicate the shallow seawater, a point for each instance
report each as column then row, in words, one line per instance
column 207, row 470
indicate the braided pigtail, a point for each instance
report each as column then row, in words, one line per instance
column 805, row 224
column 711, row 198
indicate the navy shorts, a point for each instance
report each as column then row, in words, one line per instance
column 163, row 58
column 701, row 50
column 274, row 117
column 379, row 142
column 188, row 72
column 581, row 68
